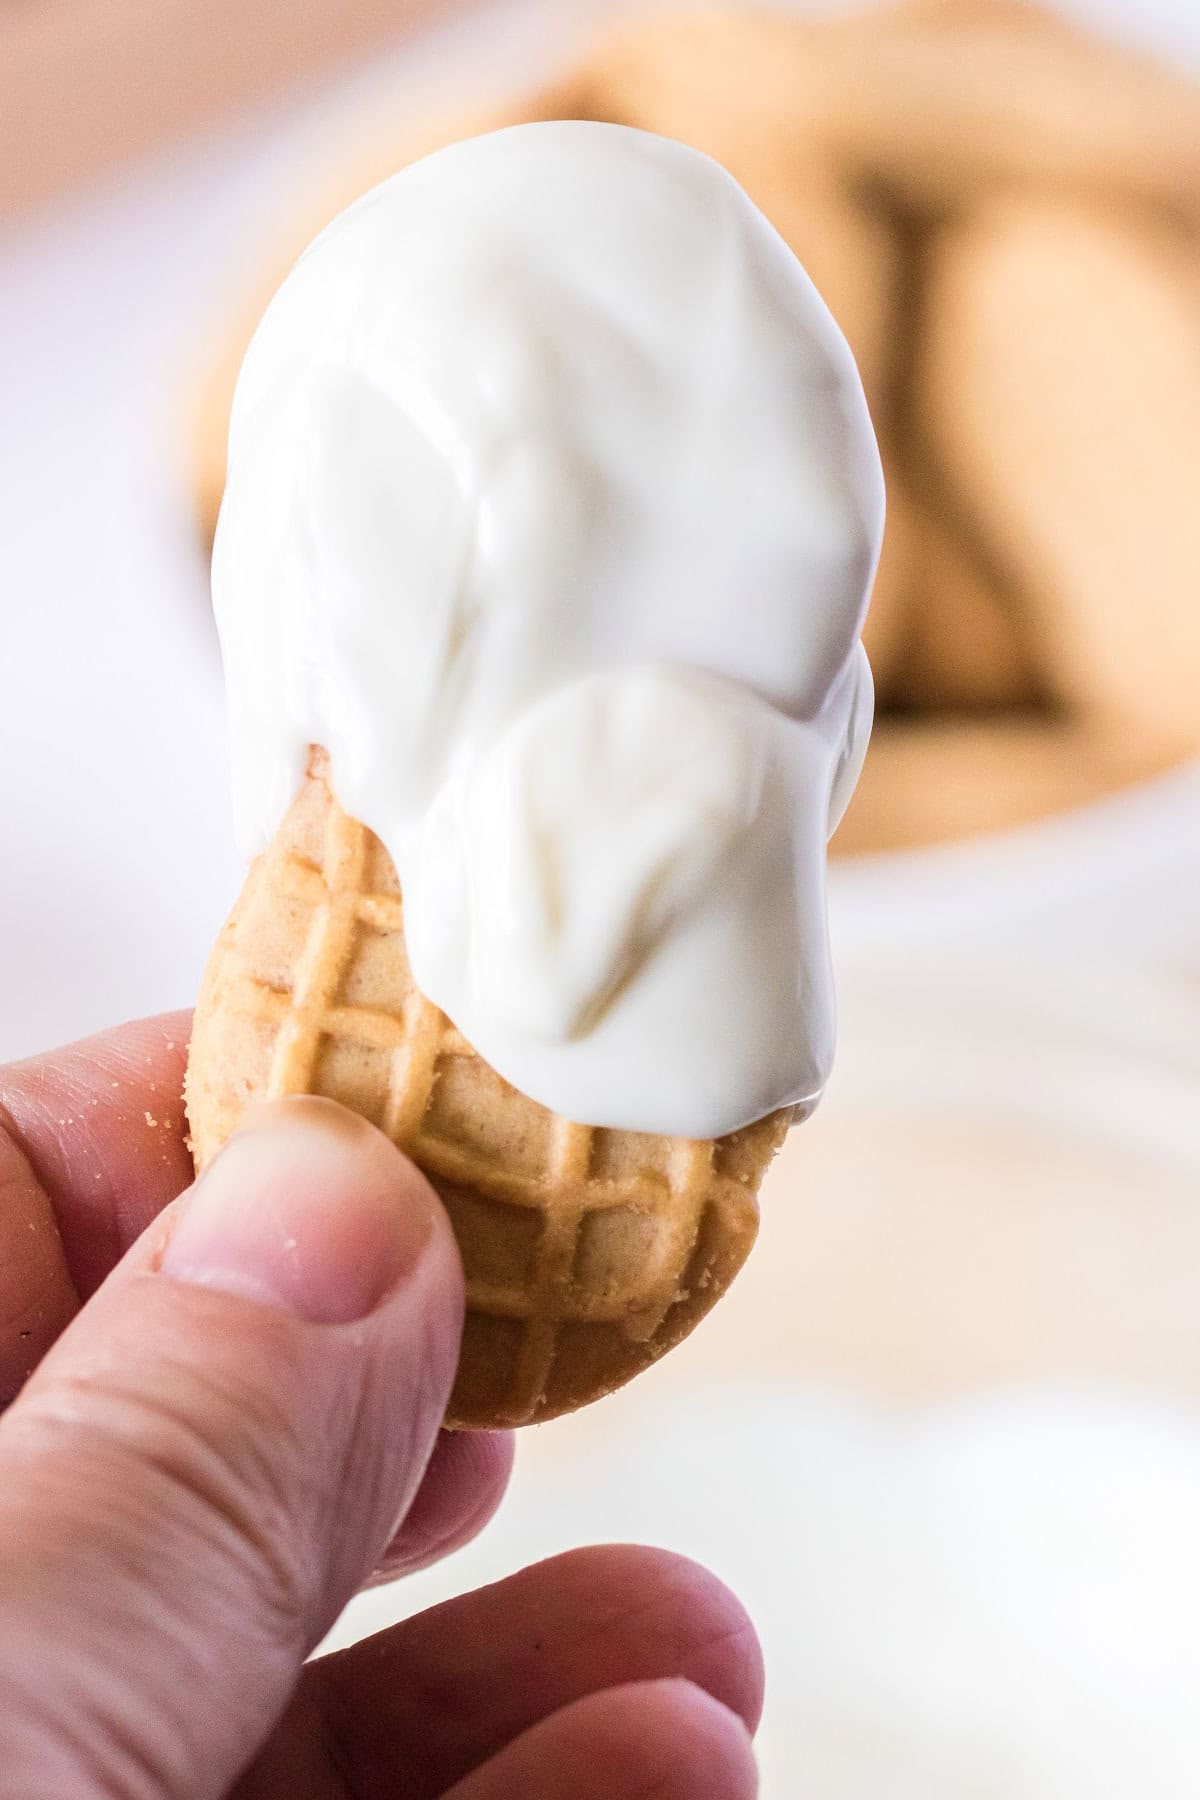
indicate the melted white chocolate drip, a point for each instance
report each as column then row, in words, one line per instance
column 552, row 510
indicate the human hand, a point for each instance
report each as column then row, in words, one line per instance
column 230, row 1423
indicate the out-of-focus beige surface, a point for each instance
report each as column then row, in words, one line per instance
column 921, row 1256
column 89, row 83
column 1003, row 212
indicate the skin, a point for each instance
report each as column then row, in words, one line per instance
column 221, row 1408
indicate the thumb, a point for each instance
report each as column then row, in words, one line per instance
column 213, row 1456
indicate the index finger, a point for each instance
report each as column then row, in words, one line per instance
column 94, row 1135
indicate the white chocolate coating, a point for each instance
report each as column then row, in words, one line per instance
column 552, row 511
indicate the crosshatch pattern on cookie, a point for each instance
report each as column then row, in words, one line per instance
column 567, row 1233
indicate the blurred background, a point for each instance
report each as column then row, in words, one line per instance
column 944, row 1434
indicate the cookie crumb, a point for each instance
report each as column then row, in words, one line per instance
column 151, row 1121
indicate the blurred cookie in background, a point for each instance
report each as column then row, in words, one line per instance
column 1059, row 399
column 939, row 102
column 964, row 648
column 1003, row 213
